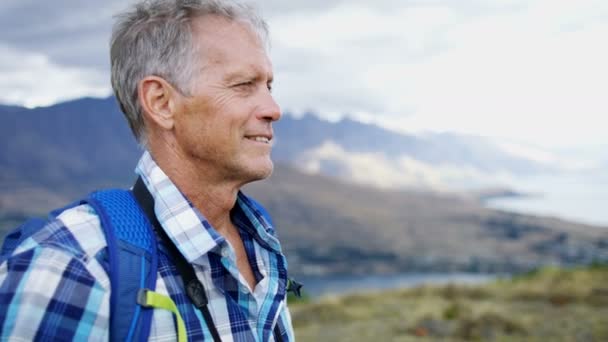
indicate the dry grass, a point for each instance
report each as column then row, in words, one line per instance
column 549, row 305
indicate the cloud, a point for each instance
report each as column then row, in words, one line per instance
column 522, row 76
column 33, row 80
column 54, row 51
column 395, row 172
column 68, row 32
column 368, row 168
column 530, row 71
column 323, row 59
column 556, row 162
column 526, row 70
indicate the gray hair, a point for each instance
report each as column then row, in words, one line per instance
column 154, row 37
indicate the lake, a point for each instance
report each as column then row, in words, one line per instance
column 319, row 286
column 576, row 197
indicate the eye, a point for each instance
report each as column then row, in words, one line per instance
column 246, row 84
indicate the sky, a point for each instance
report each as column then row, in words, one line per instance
column 524, row 71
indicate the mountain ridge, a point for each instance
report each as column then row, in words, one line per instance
column 80, row 128
column 53, row 155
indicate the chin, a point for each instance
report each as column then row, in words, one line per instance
column 266, row 171
column 259, row 171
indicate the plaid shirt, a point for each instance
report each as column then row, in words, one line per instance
column 55, row 286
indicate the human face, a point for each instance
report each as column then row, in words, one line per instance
column 224, row 127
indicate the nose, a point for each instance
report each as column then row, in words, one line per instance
column 269, row 109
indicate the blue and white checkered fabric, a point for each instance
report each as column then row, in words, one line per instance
column 55, row 286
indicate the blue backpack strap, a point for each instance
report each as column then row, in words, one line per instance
column 132, row 258
column 27, row 229
column 18, row 235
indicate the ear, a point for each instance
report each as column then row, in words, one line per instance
column 157, row 99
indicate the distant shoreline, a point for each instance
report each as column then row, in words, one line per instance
column 323, row 286
column 484, row 196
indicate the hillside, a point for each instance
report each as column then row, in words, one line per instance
column 328, row 226
column 550, row 305
column 51, row 156
column 88, row 139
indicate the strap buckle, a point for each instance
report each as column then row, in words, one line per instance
column 294, row 287
column 142, row 298
column 196, row 293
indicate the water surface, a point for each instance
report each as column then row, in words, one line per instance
column 319, row 286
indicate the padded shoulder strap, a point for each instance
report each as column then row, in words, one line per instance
column 132, row 258
column 18, row 235
column 30, row 227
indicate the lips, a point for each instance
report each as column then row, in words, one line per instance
column 260, row 138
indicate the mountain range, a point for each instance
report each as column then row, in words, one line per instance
column 346, row 197
column 347, row 149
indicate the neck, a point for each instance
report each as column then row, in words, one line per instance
column 211, row 193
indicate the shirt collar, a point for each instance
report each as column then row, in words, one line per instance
column 256, row 223
column 187, row 228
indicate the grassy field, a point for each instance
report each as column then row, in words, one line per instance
column 547, row 305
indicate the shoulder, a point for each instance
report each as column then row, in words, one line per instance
column 55, row 276
column 76, row 231
column 72, row 242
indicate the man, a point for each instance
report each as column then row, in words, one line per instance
column 194, row 81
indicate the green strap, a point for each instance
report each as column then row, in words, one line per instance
column 151, row 299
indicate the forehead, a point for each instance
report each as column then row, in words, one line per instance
column 228, row 44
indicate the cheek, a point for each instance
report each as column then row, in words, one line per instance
column 221, row 119
column 223, row 100
column 190, row 124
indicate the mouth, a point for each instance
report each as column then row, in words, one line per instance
column 260, row 138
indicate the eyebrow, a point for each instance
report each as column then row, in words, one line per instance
column 254, row 74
